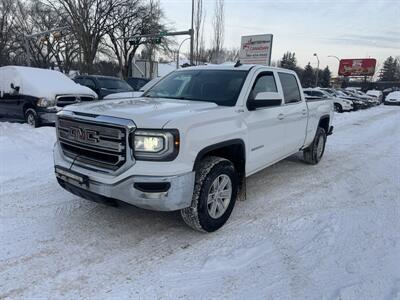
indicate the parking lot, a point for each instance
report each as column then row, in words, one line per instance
column 335, row 225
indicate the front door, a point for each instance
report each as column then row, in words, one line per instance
column 266, row 127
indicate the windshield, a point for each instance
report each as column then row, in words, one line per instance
column 149, row 84
column 114, row 84
column 341, row 94
column 219, row 86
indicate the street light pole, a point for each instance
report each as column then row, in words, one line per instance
column 192, row 37
column 316, row 76
column 179, row 48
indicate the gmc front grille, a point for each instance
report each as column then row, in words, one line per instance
column 100, row 145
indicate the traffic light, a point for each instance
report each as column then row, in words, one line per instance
column 44, row 39
column 57, row 35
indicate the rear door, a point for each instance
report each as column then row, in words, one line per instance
column 266, row 128
column 294, row 112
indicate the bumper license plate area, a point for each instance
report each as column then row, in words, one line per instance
column 68, row 175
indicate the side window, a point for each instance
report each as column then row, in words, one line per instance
column 290, row 88
column 265, row 82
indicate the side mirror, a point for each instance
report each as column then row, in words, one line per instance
column 15, row 88
column 264, row 99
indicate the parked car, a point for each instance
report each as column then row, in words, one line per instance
column 339, row 104
column 393, row 98
column 103, row 85
column 189, row 143
column 136, row 82
column 36, row 95
column 133, row 94
column 356, row 103
column 376, row 94
column 357, row 93
column 366, row 102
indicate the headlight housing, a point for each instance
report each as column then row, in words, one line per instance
column 155, row 145
column 44, row 102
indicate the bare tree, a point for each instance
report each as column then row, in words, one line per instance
column 198, row 28
column 135, row 18
column 7, row 8
column 89, row 20
column 219, row 28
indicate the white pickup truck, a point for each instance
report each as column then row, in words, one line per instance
column 190, row 141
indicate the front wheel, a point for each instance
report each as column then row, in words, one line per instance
column 313, row 153
column 31, row 117
column 214, row 195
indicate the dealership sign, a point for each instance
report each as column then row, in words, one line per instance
column 357, row 67
column 256, row 49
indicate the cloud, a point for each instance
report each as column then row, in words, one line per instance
column 391, row 41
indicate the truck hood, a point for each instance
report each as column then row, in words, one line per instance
column 145, row 112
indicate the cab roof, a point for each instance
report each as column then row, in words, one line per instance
column 243, row 67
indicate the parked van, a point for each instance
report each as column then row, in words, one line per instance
column 36, row 95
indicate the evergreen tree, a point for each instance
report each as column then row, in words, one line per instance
column 389, row 69
column 325, row 79
column 288, row 61
column 308, row 76
column 397, row 75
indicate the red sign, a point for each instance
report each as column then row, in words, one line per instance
column 357, row 67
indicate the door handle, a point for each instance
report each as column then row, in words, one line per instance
column 304, row 112
column 281, row 116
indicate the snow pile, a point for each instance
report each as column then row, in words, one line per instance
column 330, row 231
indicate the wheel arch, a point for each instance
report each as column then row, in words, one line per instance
column 233, row 150
column 324, row 122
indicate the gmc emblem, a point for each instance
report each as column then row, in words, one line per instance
column 84, row 135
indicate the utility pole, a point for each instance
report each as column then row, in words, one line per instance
column 192, row 37
column 316, row 76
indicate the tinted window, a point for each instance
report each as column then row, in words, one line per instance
column 114, row 84
column 265, row 82
column 89, row 83
column 219, row 86
column 308, row 93
column 290, row 88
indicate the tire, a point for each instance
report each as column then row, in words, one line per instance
column 338, row 108
column 313, row 153
column 208, row 212
column 32, row 118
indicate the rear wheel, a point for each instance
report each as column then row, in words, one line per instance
column 31, row 117
column 313, row 153
column 338, row 108
column 214, row 195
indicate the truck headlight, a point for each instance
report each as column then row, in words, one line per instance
column 44, row 102
column 160, row 145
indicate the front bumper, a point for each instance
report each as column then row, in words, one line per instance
column 48, row 115
column 391, row 102
column 154, row 193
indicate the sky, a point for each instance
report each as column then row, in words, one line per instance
column 346, row 29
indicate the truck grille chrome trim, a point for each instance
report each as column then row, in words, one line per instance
column 64, row 100
column 96, row 141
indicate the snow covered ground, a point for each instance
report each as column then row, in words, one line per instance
column 330, row 231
